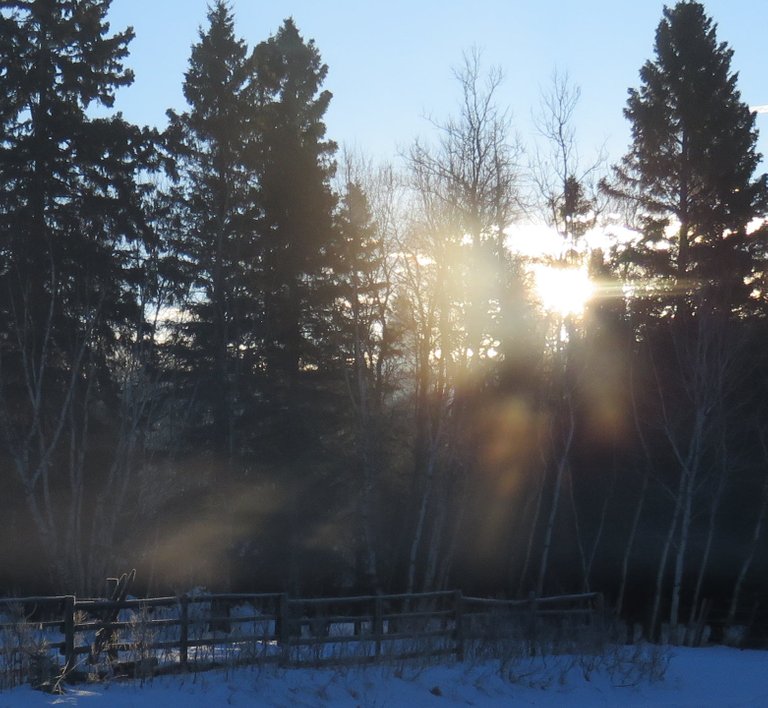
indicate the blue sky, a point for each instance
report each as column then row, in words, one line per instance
column 390, row 61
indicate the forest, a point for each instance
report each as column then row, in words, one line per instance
column 236, row 355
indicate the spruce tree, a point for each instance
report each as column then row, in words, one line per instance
column 691, row 173
column 363, row 343
column 296, row 232
column 214, row 143
column 72, row 230
column 294, row 163
column 692, row 160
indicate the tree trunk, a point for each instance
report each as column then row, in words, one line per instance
column 532, row 534
column 682, row 547
column 630, row 544
column 749, row 557
column 663, row 561
column 711, row 524
column 562, row 467
column 420, row 524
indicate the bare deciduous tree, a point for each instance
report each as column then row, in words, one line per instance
column 466, row 194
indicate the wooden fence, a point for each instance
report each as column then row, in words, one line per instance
column 161, row 634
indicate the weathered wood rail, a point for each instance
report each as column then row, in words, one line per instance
column 197, row 631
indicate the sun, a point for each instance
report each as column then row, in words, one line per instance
column 562, row 291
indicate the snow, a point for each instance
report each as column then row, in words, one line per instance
column 712, row 676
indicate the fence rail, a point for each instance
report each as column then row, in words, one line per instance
column 163, row 634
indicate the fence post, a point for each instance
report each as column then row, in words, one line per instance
column 284, row 636
column 532, row 626
column 69, row 633
column 599, row 610
column 184, row 631
column 458, row 611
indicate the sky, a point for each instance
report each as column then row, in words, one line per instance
column 390, row 61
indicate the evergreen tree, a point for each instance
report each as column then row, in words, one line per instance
column 73, row 232
column 296, row 224
column 690, row 172
column 364, row 341
column 218, row 206
column 296, row 236
column 692, row 159
column 359, row 257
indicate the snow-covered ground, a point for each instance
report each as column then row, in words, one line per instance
column 713, row 676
